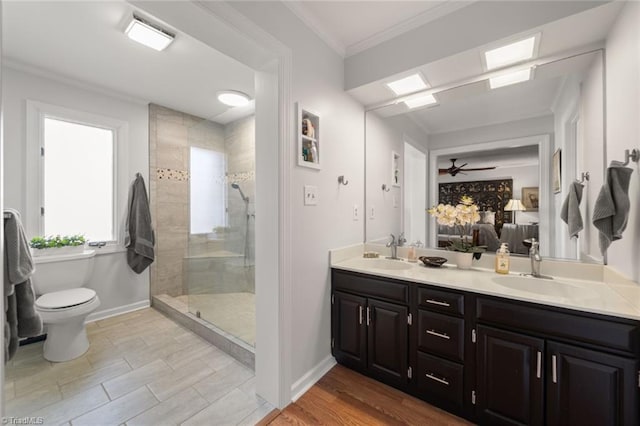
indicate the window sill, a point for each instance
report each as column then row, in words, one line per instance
column 108, row 249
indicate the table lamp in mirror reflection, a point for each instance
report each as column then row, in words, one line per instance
column 514, row 206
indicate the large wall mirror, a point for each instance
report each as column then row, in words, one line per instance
column 517, row 148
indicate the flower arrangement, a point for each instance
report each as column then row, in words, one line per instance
column 57, row 241
column 458, row 216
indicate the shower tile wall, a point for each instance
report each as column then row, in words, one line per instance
column 171, row 134
column 239, row 140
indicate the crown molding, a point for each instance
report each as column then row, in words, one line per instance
column 308, row 18
column 417, row 21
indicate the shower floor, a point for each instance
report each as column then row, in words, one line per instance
column 234, row 313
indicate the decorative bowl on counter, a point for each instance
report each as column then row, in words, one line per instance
column 433, row 261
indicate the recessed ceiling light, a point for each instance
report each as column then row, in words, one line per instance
column 511, row 78
column 233, row 98
column 148, row 34
column 510, row 54
column 410, row 84
column 421, row 100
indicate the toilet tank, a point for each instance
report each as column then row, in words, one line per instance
column 62, row 272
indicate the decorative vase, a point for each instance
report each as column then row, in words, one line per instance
column 464, row 260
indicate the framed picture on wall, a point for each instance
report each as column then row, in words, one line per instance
column 530, row 198
column 557, row 171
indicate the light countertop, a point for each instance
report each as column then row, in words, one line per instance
column 581, row 295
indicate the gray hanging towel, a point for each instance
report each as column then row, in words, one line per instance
column 570, row 212
column 611, row 211
column 22, row 318
column 139, row 236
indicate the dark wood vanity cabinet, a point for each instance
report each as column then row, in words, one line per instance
column 493, row 361
column 370, row 334
column 510, row 384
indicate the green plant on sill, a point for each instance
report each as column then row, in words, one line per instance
column 57, row 241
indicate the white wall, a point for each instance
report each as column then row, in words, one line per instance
column 117, row 286
column 384, row 136
column 415, row 194
column 523, row 176
column 591, row 159
column 496, row 132
column 318, row 85
column 623, row 126
column 566, row 109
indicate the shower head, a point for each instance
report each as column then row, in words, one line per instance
column 235, row 185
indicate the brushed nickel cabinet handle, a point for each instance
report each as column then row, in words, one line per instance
column 440, row 335
column 368, row 316
column 437, row 379
column 539, row 365
column 360, row 314
column 436, row 302
column 554, row 371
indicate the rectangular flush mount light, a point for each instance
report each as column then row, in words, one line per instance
column 410, row 84
column 511, row 78
column 511, row 53
column 148, row 34
column 419, row 101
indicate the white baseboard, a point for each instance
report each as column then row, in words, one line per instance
column 118, row 311
column 311, row 377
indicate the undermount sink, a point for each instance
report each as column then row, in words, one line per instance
column 542, row 286
column 388, row 264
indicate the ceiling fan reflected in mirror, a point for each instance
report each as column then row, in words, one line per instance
column 454, row 170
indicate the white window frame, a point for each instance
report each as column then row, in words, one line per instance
column 36, row 114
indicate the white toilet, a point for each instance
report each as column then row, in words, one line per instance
column 63, row 302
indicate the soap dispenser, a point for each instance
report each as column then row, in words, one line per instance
column 502, row 259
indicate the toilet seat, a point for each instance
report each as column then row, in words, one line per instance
column 66, row 299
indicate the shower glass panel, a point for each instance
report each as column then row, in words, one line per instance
column 220, row 259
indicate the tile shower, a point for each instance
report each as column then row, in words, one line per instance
column 205, row 251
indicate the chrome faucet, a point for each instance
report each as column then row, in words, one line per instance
column 536, row 259
column 393, row 244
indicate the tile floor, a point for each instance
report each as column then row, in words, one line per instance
column 141, row 369
column 234, row 313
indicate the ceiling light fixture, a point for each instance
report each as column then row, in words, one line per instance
column 148, row 34
column 233, row 98
column 511, row 78
column 410, row 84
column 421, row 100
column 511, row 53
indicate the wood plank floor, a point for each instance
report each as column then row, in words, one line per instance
column 343, row 396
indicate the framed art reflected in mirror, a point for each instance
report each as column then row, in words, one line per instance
column 530, row 198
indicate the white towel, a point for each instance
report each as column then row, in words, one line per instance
column 611, row 211
column 570, row 212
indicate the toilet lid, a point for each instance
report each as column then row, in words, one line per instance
column 65, row 298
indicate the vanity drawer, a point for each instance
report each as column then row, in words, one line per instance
column 599, row 331
column 441, row 378
column 441, row 301
column 372, row 287
column 441, row 334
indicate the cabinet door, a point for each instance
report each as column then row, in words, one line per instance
column 586, row 387
column 510, row 389
column 349, row 329
column 387, row 341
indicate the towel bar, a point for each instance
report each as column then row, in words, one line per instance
column 633, row 155
column 584, row 177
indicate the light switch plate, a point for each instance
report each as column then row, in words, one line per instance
column 356, row 212
column 310, row 195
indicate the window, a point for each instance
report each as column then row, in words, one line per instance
column 208, row 190
column 78, row 179
column 77, row 173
